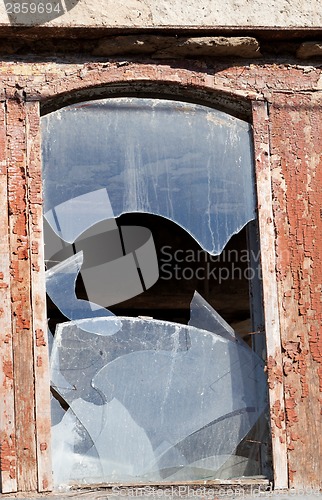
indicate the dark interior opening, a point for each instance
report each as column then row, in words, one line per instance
column 184, row 267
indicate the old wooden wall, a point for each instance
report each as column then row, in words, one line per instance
column 285, row 103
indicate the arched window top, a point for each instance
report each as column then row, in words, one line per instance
column 186, row 162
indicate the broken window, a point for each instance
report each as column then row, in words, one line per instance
column 153, row 284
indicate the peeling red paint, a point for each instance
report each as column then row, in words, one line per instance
column 295, row 361
column 40, row 338
column 315, row 342
column 275, row 374
column 297, row 188
column 290, row 405
column 34, row 247
column 2, row 283
column 277, row 415
column 20, row 223
column 22, row 338
column 35, row 267
column 7, row 369
column 7, row 456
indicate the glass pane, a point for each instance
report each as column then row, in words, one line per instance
column 140, row 399
column 155, row 401
column 186, row 162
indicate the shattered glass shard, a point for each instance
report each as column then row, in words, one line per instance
column 182, row 396
column 203, row 316
column 74, row 216
column 186, row 162
column 60, row 287
column 109, row 275
column 125, row 256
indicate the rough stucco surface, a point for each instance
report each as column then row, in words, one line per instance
column 165, row 47
column 152, row 13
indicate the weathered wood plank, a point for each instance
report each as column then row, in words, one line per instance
column 8, row 462
column 23, row 368
column 297, row 196
column 38, row 299
column 272, row 323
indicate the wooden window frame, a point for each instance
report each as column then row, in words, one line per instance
column 25, row 456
